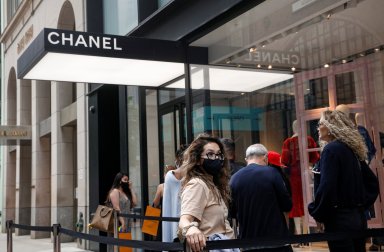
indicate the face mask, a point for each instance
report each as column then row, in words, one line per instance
column 213, row 167
column 125, row 186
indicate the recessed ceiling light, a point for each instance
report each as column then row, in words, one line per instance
column 377, row 49
column 270, row 67
column 326, row 65
column 344, row 61
column 252, row 49
column 258, row 66
column 293, row 69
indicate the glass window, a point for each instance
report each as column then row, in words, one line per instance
column 345, row 88
column 316, row 93
column 120, row 16
column 161, row 3
column 248, row 106
column 172, row 91
column 12, row 6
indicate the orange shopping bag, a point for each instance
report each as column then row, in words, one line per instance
column 151, row 226
column 126, row 236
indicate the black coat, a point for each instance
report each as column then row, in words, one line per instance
column 341, row 182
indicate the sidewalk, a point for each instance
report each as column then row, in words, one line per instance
column 26, row 244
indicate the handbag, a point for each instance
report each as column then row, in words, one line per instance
column 103, row 219
column 151, row 226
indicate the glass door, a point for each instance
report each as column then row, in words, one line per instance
column 172, row 131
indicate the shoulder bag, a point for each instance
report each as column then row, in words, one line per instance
column 103, row 218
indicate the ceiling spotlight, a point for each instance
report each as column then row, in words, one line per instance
column 269, row 66
column 258, row 66
column 344, row 61
column 263, row 46
column 252, row 49
column 377, row 49
column 228, row 61
column 293, row 69
column 242, row 94
column 326, row 65
column 329, row 15
column 362, row 54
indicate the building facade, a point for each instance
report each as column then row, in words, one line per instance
column 270, row 64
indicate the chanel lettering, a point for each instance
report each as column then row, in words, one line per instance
column 90, row 41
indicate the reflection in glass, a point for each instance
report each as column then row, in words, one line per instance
column 316, row 93
column 345, row 88
column 134, row 149
column 152, row 142
column 248, row 106
column 312, row 126
column 120, row 16
column 172, row 91
column 168, row 137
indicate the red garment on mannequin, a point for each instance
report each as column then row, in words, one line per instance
column 291, row 157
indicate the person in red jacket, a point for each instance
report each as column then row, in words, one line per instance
column 291, row 158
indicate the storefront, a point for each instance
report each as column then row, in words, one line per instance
column 269, row 64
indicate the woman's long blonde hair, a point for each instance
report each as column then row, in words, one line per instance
column 343, row 129
column 192, row 168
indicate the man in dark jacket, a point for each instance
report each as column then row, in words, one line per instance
column 260, row 199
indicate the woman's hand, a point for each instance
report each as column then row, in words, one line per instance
column 195, row 239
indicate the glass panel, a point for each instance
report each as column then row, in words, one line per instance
column 152, row 143
column 248, row 106
column 172, row 92
column 312, row 126
column 134, row 151
column 168, row 136
column 345, row 88
column 120, row 16
column 316, row 93
column 161, row 3
column 177, row 121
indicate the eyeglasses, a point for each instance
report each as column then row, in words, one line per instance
column 213, row 156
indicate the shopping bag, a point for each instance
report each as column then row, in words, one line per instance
column 125, row 236
column 103, row 219
column 151, row 226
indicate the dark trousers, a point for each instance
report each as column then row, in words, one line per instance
column 346, row 220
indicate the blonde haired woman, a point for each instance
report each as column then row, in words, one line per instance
column 341, row 198
column 204, row 193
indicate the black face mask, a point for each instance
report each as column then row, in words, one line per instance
column 213, row 167
column 125, row 186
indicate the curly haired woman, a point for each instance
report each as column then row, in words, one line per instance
column 340, row 199
column 205, row 193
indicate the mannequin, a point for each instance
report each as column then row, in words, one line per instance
column 291, row 158
column 343, row 108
